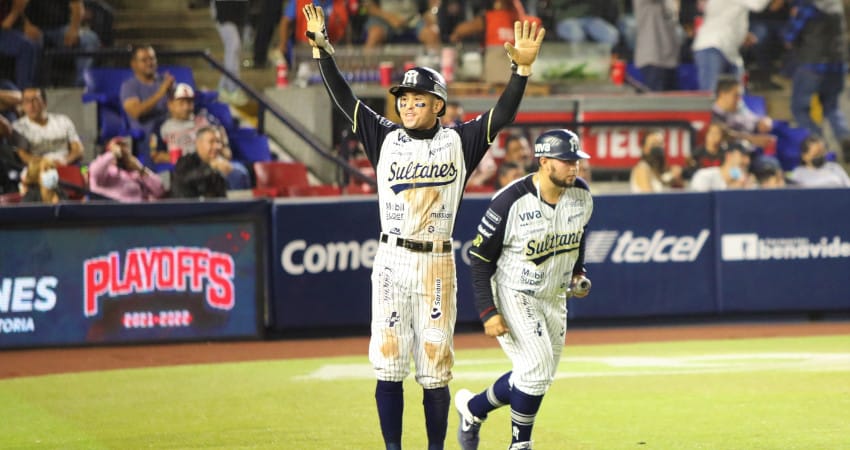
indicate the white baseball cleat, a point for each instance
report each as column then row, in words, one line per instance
column 469, row 426
column 526, row 445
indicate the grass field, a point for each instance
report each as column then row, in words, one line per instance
column 781, row 393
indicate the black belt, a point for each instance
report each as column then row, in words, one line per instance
column 418, row 246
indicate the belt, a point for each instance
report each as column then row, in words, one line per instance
column 418, row 246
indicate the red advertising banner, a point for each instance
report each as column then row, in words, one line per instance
column 619, row 147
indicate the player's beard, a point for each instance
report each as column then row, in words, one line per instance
column 561, row 183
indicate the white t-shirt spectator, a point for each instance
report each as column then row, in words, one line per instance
column 829, row 176
column 50, row 141
column 708, row 179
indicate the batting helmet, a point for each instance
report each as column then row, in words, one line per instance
column 423, row 79
column 559, row 144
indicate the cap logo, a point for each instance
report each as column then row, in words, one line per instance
column 411, row 78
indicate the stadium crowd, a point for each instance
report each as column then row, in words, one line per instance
column 736, row 47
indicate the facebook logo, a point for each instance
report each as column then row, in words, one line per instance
column 739, row 247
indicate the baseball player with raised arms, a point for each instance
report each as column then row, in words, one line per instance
column 422, row 169
column 526, row 259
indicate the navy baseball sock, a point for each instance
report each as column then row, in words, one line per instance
column 437, row 403
column 496, row 396
column 389, row 396
column 523, row 411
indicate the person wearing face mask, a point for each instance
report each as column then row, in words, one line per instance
column 651, row 173
column 732, row 174
column 422, row 169
column 41, row 183
column 815, row 170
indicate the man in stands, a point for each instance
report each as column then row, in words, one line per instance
column 739, row 122
column 46, row 135
column 144, row 95
column 181, row 128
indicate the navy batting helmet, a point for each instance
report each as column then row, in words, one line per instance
column 423, row 79
column 559, row 144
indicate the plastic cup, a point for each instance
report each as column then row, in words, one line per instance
column 386, row 73
column 175, row 154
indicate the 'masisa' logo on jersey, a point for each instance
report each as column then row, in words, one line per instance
column 538, row 251
column 416, row 174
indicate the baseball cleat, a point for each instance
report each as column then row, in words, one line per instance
column 526, row 445
column 469, row 426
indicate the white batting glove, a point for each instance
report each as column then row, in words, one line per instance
column 528, row 40
column 316, row 31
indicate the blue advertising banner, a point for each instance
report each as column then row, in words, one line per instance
column 784, row 250
column 649, row 255
column 88, row 282
column 322, row 261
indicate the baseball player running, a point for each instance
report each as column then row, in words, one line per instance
column 527, row 257
column 422, row 169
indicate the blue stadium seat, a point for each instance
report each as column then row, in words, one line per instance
column 221, row 111
column 249, row 146
column 756, row 103
column 788, row 141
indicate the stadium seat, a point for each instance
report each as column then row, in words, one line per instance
column 322, row 190
column 788, row 141
column 221, row 111
column 756, row 103
column 281, row 176
column 10, row 198
column 73, row 175
column 249, row 146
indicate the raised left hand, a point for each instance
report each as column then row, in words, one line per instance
column 528, row 40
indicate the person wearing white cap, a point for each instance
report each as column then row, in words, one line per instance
column 181, row 128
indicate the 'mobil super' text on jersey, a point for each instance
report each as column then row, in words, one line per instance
column 536, row 245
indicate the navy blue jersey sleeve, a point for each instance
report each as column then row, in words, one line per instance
column 371, row 128
column 477, row 134
column 485, row 250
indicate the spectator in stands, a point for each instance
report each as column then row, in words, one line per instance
column 265, row 22
column 768, row 173
column 767, row 28
column 815, row 170
column 586, row 20
column 181, row 128
column 716, row 47
column 508, row 171
column 518, row 150
column 209, row 146
column 817, row 36
column 10, row 164
column 451, row 14
column 740, row 122
column 230, row 16
column 494, row 26
column 658, row 42
column 585, row 172
column 397, row 20
column 732, row 174
column 711, row 153
column 10, row 99
column 14, row 44
column 144, row 95
column 453, row 116
column 46, row 135
column 58, row 24
column 652, row 173
column 293, row 24
column 41, row 183
column 119, row 175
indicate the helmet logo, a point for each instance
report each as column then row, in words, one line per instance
column 541, row 149
column 411, row 77
column 574, row 143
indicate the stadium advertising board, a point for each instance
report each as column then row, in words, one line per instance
column 649, row 255
column 784, row 250
column 121, row 283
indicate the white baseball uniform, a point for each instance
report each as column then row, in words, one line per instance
column 537, row 247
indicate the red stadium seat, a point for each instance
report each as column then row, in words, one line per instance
column 322, row 190
column 10, row 198
column 73, row 175
column 281, row 176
